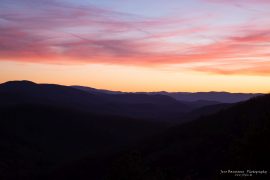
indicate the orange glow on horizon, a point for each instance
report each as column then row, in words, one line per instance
column 133, row 79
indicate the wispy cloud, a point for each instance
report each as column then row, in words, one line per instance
column 57, row 32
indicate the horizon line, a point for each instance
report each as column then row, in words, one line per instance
column 120, row 91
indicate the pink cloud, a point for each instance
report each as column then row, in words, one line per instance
column 95, row 32
column 261, row 69
column 60, row 33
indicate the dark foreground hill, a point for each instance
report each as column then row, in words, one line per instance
column 236, row 139
column 36, row 138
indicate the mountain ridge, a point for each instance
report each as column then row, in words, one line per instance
column 218, row 96
column 130, row 105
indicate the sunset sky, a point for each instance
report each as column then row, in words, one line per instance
column 142, row 45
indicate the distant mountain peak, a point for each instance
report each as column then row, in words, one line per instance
column 19, row 82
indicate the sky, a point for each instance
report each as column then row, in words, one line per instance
column 153, row 45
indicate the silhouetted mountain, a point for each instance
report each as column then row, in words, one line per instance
column 204, row 111
column 152, row 107
column 219, row 97
column 235, row 139
column 223, row 97
column 144, row 98
column 201, row 103
column 94, row 90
